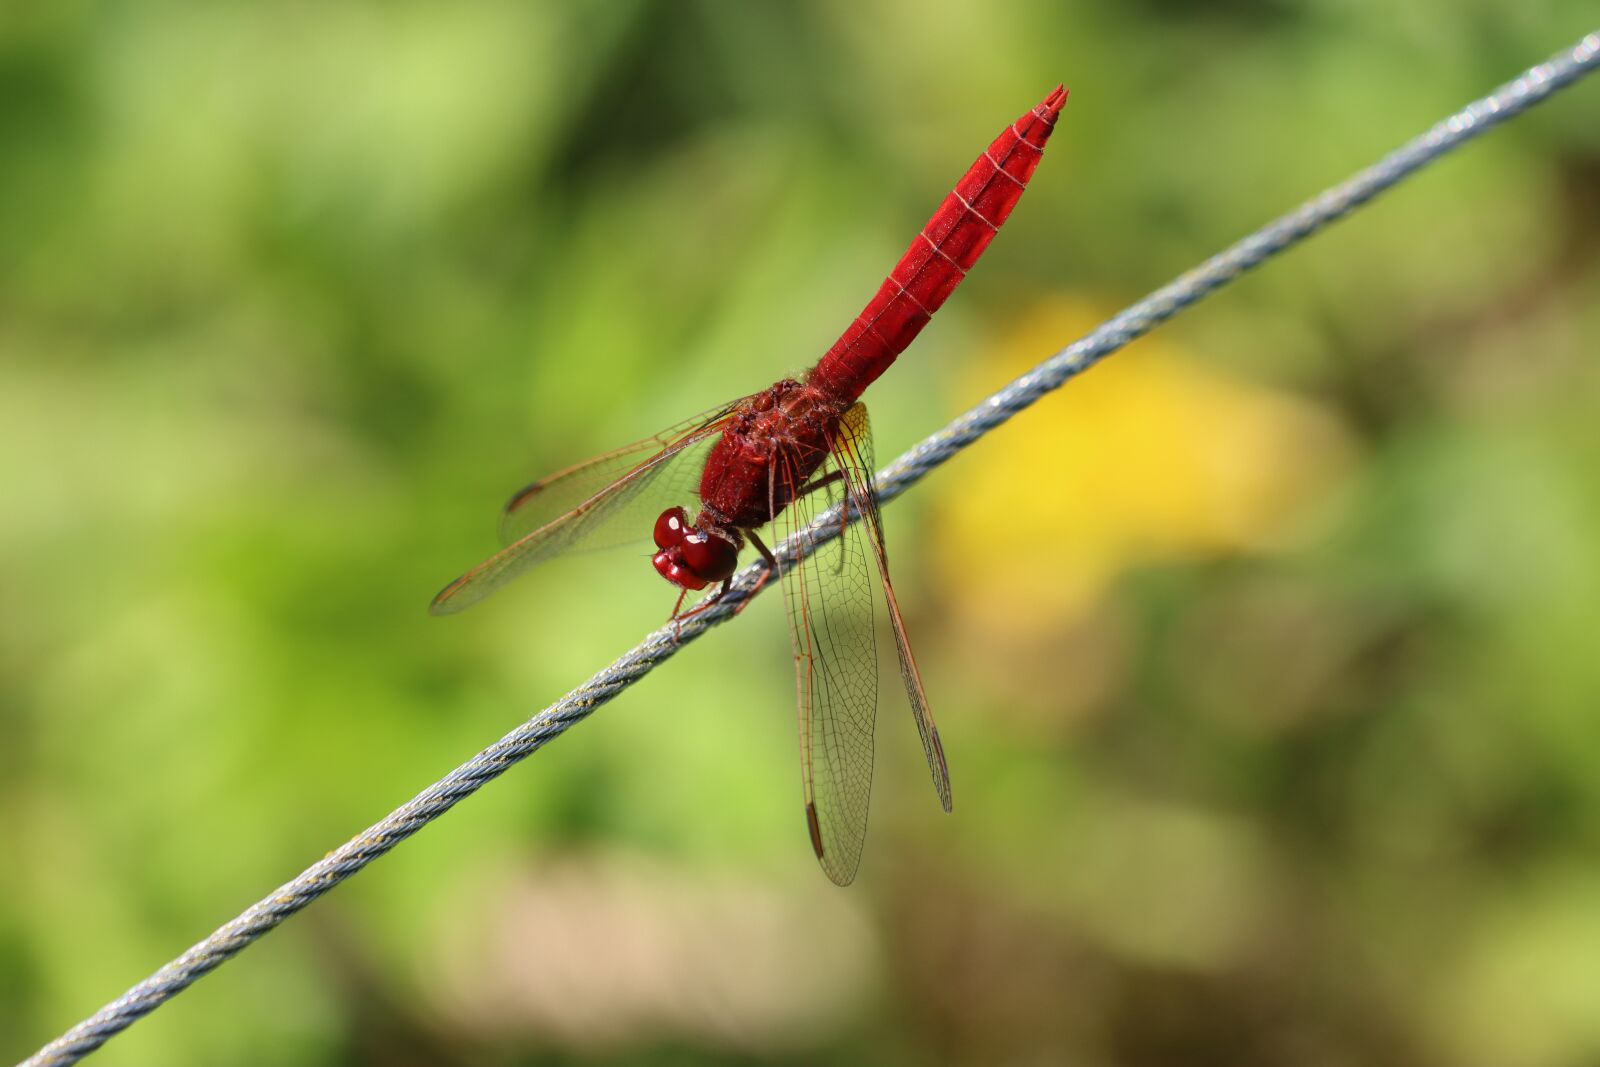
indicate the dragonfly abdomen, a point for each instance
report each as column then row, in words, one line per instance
column 940, row 257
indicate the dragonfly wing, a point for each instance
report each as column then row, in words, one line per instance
column 852, row 449
column 541, row 502
column 627, row 490
column 829, row 597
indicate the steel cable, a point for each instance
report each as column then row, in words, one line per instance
column 1509, row 100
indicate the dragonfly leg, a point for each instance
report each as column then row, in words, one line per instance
column 826, row 480
column 811, row 487
column 677, row 619
column 766, row 576
column 766, row 553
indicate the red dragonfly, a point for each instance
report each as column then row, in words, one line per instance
column 773, row 457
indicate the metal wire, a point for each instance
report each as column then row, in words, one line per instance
column 1511, row 99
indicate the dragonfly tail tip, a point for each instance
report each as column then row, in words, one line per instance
column 1053, row 103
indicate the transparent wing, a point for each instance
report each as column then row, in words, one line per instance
column 539, row 503
column 609, row 500
column 829, row 596
column 852, row 448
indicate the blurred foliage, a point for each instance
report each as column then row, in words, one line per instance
column 1264, row 655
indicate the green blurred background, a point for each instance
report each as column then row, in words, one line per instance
column 1265, row 655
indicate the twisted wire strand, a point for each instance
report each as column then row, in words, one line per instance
column 1511, row 99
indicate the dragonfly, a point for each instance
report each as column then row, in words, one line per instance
column 776, row 458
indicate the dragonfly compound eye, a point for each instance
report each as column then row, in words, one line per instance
column 669, row 564
column 671, row 528
column 709, row 557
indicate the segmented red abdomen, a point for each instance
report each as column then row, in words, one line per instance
column 941, row 255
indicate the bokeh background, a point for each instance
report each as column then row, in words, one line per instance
column 1265, row 654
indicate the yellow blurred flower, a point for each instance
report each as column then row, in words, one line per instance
column 1152, row 457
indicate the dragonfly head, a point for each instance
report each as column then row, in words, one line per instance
column 691, row 558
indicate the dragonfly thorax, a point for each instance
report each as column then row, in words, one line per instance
column 692, row 557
